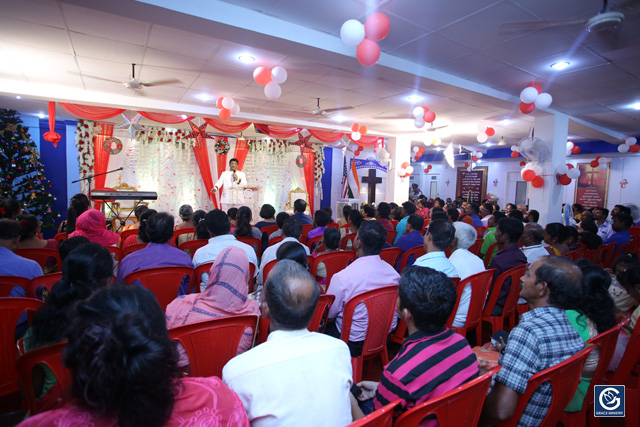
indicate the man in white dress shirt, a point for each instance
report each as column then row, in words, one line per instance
column 233, row 183
column 296, row 378
column 437, row 239
column 531, row 241
column 291, row 230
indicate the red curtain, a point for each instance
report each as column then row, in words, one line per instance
column 52, row 136
column 101, row 158
column 226, row 126
column 277, row 131
column 170, row 119
column 367, row 140
column 91, row 113
column 202, row 157
column 326, row 136
column 242, row 149
column 308, row 176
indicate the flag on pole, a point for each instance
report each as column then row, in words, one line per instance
column 354, row 181
column 345, row 182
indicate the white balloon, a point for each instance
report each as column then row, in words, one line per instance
column 602, row 166
column 514, row 148
column 419, row 123
column 482, row 137
column 623, row 148
column 574, row 173
column 482, row 127
column 279, row 75
column 416, row 149
column 418, row 112
column 272, row 90
column 479, row 155
column 569, row 145
column 562, row 169
column 529, row 95
column 235, row 109
column 356, row 136
column 473, row 165
column 544, row 100
column 402, row 172
column 518, row 149
column 227, row 102
column 352, row 32
column 537, row 169
column 469, row 169
column 409, row 170
column 568, row 153
column 630, row 141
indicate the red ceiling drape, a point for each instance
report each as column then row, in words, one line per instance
column 230, row 127
column 91, row 113
column 52, row 136
column 242, row 149
column 170, row 119
column 277, row 131
column 308, row 176
column 326, row 136
column 202, row 158
column 366, row 140
column 101, row 157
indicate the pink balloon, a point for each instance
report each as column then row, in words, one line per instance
column 368, row 52
column 225, row 114
column 262, row 75
column 377, row 26
column 429, row 116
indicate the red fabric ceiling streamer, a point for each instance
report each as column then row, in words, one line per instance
column 169, row 119
column 326, row 136
column 366, row 140
column 277, row 131
column 92, row 113
column 101, row 162
column 226, row 126
column 52, row 136
column 242, row 149
column 309, row 175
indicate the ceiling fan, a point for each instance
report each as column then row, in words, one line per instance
column 433, row 128
column 134, row 83
column 317, row 111
column 606, row 19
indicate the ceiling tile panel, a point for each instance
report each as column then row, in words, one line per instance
column 326, row 15
column 382, row 89
column 105, row 49
column 105, row 69
column 590, row 76
column 173, row 61
column 506, row 76
column 562, row 9
column 228, row 54
column 259, row 5
column 342, row 79
column 433, row 14
column 531, row 46
column 430, row 50
column 44, row 12
column 214, row 87
column 34, row 35
column 402, row 31
column 474, row 64
column 104, row 25
column 579, row 59
column 182, row 42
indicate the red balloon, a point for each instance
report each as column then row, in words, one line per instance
column 514, row 154
column 262, row 76
column 430, row 166
column 528, row 175
column 564, row 180
column 569, row 165
column 404, row 165
column 355, row 127
column 522, row 163
column 474, row 158
column 598, row 159
column 634, row 148
column 537, row 182
column 225, row 113
column 426, row 171
column 527, row 108
column 219, row 103
column 594, row 163
column 466, row 165
column 490, row 131
column 425, row 108
column 368, row 52
column 377, row 26
column 429, row 116
column 537, row 86
column 575, row 149
column 363, row 130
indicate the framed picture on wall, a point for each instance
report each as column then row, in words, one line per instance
column 472, row 186
column 592, row 187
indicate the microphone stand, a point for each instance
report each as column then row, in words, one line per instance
column 90, row 177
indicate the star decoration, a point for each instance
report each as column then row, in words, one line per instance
column 198, row 132
column 132, row 124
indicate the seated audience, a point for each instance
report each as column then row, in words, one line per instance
column 328, row 210
column 299, row 206
column 29, row 231
column 408, row 208
column 413, row 236
column 620, row 226
column 291, row 230
column 320, row 221
column 396, row 212
column 10, row 263
column 369, row 212
column 232, row 213
column 417, row 374
column 531, row 241
column 355, row 220
column 297, row 377
column 346, row 209
column 437, row 239
column 137, row 212
column 516, row 214
column 78, row 204
column 202, row 232
column 543, row 338
column 71, row 244
column 472, row 212
column 243, row 224
column 577, row 211
column 422, row 209
column 624, row 288
column 634, row 211
column 451, row 214
column 510, row 207
column 604, row 227
column 367, row 272
column 142, row 236
column 555, row 235
column 294, row 252
column 331, row 242
column 280, row 219
column 532, row 216
column 267, row 213
column 124, row 370
column 589, row 237
column 572, row 237
column 486, row 209
column 489, row 236
column 382, row 215
column 93, row 225
column 225, row 295
column 158, row 253
column 466, row 264
column 620, row 209
column 186, row 215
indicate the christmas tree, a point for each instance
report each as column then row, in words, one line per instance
column 23, row 176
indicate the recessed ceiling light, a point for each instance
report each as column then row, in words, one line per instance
column 488, row 144
column 246, row 59
column 204, row 97
column 339, row 118
column 635, row 106
column 560, row 65
column 41, row 116
column 438, row 148
column 18, row 97
column 505, row 122
column 414, row 98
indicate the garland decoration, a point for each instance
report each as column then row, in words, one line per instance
column 84, row 143
column 159, row 135
column 301, row 161
column 318, row 167
column 222, row 146
column 112, row 145
column 276, row 147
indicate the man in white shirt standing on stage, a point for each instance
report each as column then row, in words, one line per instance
column 233, row 183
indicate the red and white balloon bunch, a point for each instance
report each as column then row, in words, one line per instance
column 357, row 131
column 353, row 33
column 227, row 107
column 428, row 169
column 484, row 132
column 423, row 115
column 565, row 173
column 418, row 152
column 532, row 97
column 476, row 156
column 533, row 174
column 572, row 148
column 470, row 166
column 630, row 144
column 271, row 80
column 515, row 151
column 600, row 162
column 405, row 170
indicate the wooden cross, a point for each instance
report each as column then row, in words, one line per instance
column 371, row 182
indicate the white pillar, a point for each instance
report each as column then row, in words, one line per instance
column 553, row 129
column 398, row 188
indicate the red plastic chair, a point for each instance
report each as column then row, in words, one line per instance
column 487, row 258
column 126, row 233
column 314, row 241
column 41, row 256
column 391, row 255
column 593, row 255
column 480, row 229
column 461, row 406
column 267, row 269
column 319, row 320
column 381, row 308
column 60, row 237
column 480, row 283
column 275, row 240
column 133, row 248
column 269, row 229
column 414, row 253
column 164, row 282
column 306, row 228
column 212, row 343
column 51, row 356
column 334, row 262
column 509, row 309
column 333, row 225
column 575, row 254
column 263, row 330
column 10, row 311
column 192, row 246
column 115, row 252
column 346, row 239
column 45, row 281
column 255, row 243
column 607, row 342
column 459, row 289
column 606, row 254
column 398, row 336
column 9, row 282
column 182, row 231
column 564, row 378
column 391, row 237
column 625, row 247
column 475, row 248
column 382, row 417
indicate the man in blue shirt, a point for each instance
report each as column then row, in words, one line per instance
column 472, row 210
column 438, row 238
column 408, row 209
column 621, row 224
column 10, row 263
column 413, row 237
column 299, row 206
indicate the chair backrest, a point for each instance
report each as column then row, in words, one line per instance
column 180, row 232
column 319, row 320
column 391, row 255
column 127, row 233
column 9, row 282
column 200, row 270
column 487, row 259
column 458, row 407
column 41, row 256
column 254, row 242
column 50, row 356
column 382, row 417
column 381, row 307
column 37, row 285
column 334, row 262
column 346, row 239
column 480, row 229
column 115, row 252
column 192, row 246
column 593, row 255
column 575, row 254
column 164, row 282
column 267, row 268
column 480, row 283
column 563, row 377
column 515, row 274
column 10, row 311
column 212, row 343
column 313, row 241
column 412, row 254
column 475, row 248
column 60, row 237
column 333, row 225
column 391, row 236
column 607, row 253
column 133, row 248
column 630, row 358
column 625, row 247
column 275, row 240
column 459, row 288
column 269, row 229
column 306, row 228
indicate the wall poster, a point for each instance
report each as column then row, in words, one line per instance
column 592, row 186
column 472, row 186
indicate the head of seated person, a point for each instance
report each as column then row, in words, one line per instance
column 143, row 236
column 232, row 213
column 186, row 213
column 553, row 281
column 516, row 214
column 415, row 222
column 267, row 211
column 355, row 219
column 509, row 231
column 331, row 239
column 281, row 218
column 9, row 234
column 299, row 206
column 328, row 210
column 292, row 228
column 384, row 209
column 218, row 223
column 160, row 228
column 70, row 244
column 597, row 303
column 466, row 235
column 370, row 239
column 292, row 251
column 321, row 218
column 532, row 235
column 369, row 212
column 243, row 223
column 439, row 236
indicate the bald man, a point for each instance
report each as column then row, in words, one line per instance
column 531, row 241
column 297, row 377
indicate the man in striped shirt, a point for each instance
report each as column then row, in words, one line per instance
column 433, row 359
